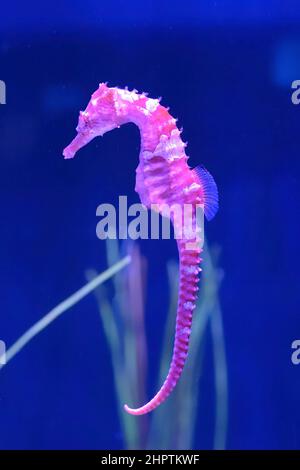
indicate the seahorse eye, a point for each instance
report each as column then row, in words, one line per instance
column 83, row 121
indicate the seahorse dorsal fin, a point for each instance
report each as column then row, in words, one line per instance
column 210, row 191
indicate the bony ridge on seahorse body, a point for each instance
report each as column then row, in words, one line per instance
column 163, row 177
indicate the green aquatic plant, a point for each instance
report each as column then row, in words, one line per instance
column 172, row 426
column 57, row 311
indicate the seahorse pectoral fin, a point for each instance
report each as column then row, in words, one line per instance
column 210, row 191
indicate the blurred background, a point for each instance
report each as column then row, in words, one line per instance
column 225, row 68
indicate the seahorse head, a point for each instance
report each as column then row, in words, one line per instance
column 99, row 117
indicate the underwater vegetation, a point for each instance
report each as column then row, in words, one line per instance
column 172, row 426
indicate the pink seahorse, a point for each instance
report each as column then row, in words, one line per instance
column 163, row 177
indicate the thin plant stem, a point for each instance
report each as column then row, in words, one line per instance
column 220, row 379
column 219, row 354
column 40, row 325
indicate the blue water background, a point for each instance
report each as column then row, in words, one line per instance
column 225, row 69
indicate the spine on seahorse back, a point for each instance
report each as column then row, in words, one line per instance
column 163, row 177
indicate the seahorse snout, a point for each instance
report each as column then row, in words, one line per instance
column 77, row 143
